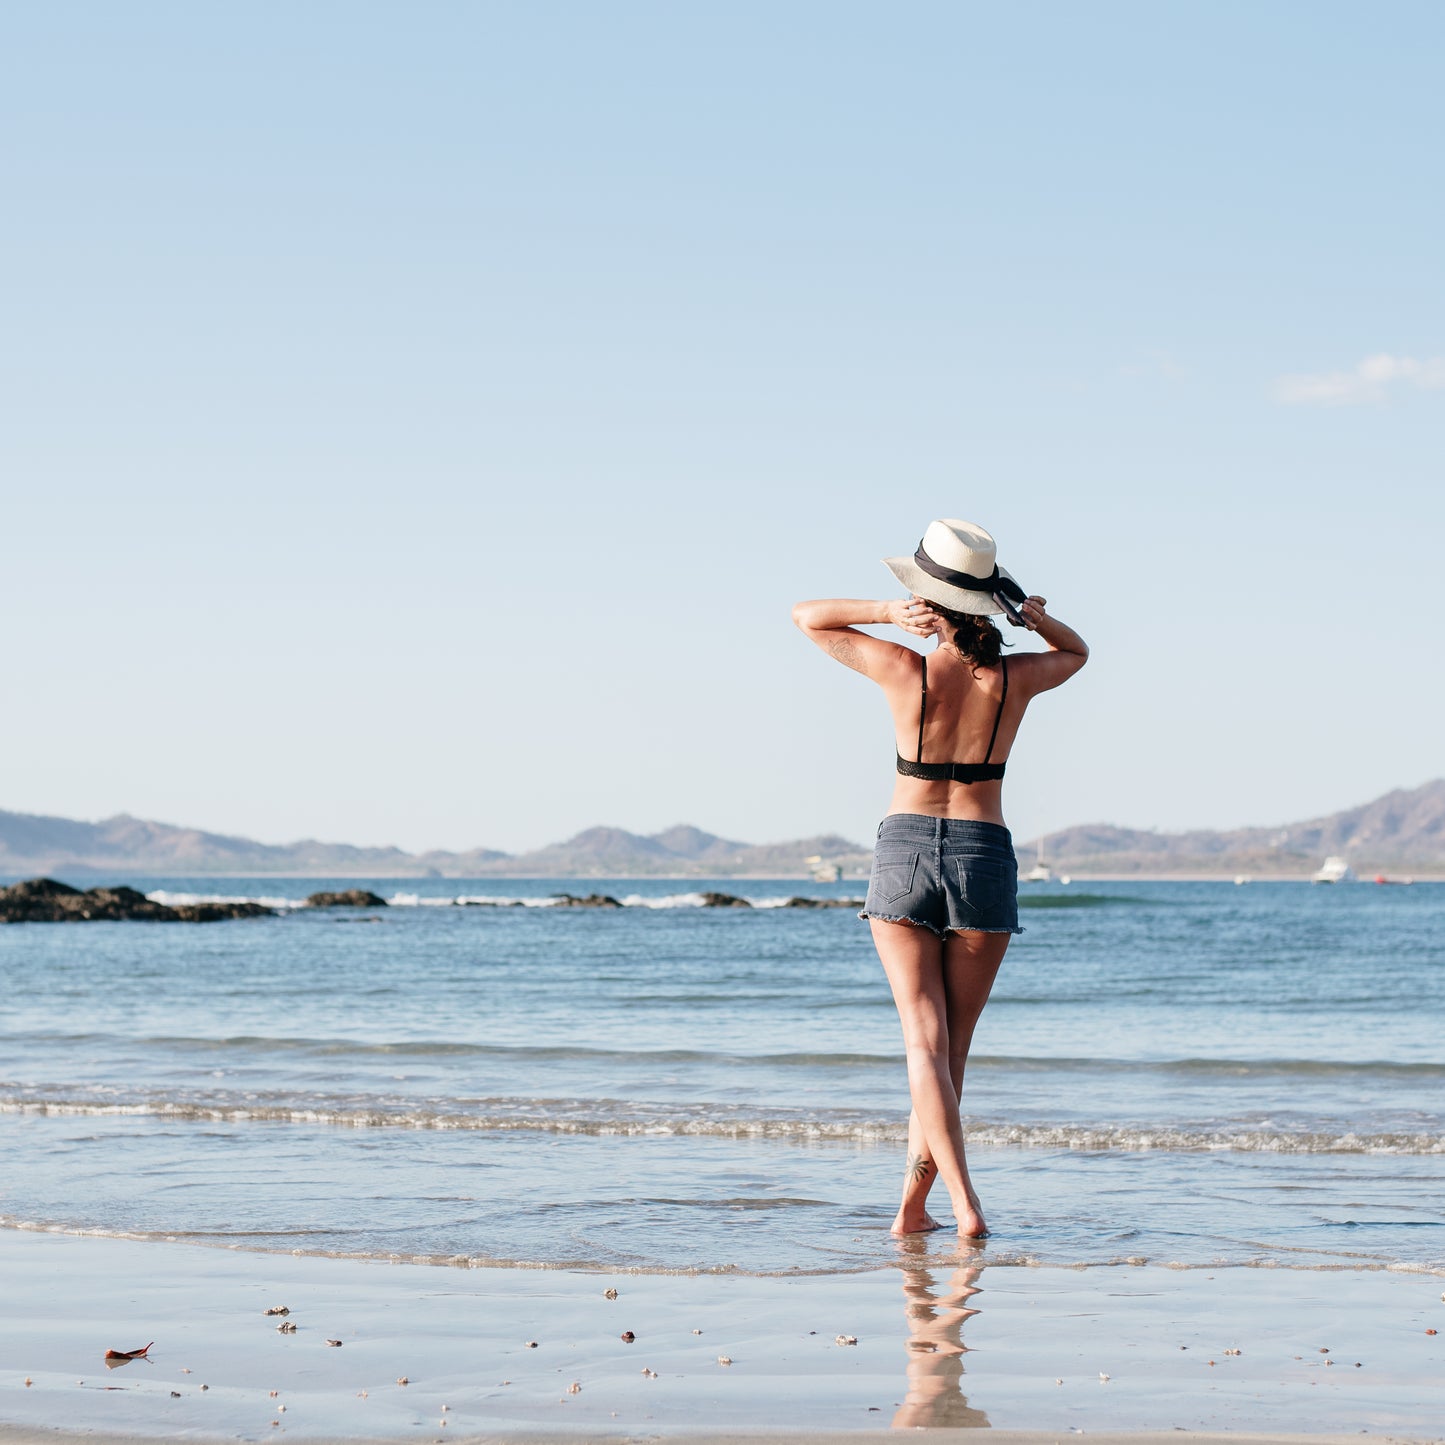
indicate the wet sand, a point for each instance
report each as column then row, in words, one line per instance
column 1103, row 1351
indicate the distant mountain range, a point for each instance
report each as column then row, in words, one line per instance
column 31, row 844
column 1403, row 831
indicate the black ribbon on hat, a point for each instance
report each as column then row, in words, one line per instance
column 994, row 582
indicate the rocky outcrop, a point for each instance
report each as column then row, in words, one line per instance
column 821, row 903
column 348, row 898
column 44, row 900
column 592, row 900
column 723, row 900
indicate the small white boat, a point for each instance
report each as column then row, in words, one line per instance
column 1040, row 872
column 1240, row 879
column 1334, row 870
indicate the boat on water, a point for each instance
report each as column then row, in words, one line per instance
column 1040, row 872
column 1334, row 870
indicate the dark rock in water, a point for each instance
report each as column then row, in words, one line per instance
column 592, row 900
column 821, row 903
column 724, row 900
column 44, row 900
column 350, row 898
column 214, row 912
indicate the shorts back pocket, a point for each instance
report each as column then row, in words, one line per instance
column 892, row 878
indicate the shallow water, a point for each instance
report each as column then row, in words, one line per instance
column 1189, row 1073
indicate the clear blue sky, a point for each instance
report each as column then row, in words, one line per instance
column 419, row 419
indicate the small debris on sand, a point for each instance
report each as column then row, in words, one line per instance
column 845, row 1339
column 275, row 1393
column 1104, row 1379
column 575, row 1388
column 628, row 1337
column 724, row 1359
column 286, row 1327
column 335, row 1344
column 652, row 1374
column 1323, row 1350
column 1058, row 1382
column 139, row 1354
column 1234, row 1352
column 609, row 1294
column 403, row 1380
column 531, row 1344
column 175, row 1394
column 28, row 1382
column 184, row 1371
column 278, row 1310
column 697, row 1332
column 1432, row 1332
column 205, row 1387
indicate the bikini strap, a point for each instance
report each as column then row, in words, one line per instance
column 922, row 707
column 998, row 716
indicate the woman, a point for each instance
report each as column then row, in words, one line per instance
column 943, row 896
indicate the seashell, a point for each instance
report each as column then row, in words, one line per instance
column 286, row 1327
column 278, row 1310
column 335, row 1344
column 845, row 1339
column 628, row 1337
column 1104, row 1379
column 724, row 1359
column 575, row 1388
column 531, row 1344
column 609, row 1294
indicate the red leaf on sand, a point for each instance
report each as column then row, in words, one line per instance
column 139, row 1354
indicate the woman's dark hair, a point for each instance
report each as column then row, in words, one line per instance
column 974, row 636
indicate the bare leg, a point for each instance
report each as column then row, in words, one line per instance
column 940, row 988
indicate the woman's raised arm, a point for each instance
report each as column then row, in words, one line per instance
column 831, row 623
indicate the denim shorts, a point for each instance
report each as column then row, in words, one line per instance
column 945, row 874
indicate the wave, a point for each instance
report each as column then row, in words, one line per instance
column 695, row 899
column 993, row 1256
column 609, row 1117
column 1254, row 1068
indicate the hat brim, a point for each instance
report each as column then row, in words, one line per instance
column 956, row 599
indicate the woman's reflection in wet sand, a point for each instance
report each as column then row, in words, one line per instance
column 936, row 1349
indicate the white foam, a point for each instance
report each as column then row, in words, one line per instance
column 182, row 900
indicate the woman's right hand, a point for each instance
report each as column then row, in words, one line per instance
column 915, row 616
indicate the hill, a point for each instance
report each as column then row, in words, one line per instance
column 34, row 844
column 1400, row 832
column 1404, row 831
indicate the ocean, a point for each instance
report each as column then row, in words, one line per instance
column 1188, row 1074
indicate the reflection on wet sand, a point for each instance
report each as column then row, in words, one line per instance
column 935, row 1316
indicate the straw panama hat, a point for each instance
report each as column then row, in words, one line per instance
column 956, row 565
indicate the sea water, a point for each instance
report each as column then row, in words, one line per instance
column 1194, row 1074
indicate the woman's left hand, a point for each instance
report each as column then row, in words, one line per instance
column 915, row 616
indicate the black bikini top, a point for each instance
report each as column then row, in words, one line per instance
column 984, row 772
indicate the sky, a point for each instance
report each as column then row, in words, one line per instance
column 417, row 421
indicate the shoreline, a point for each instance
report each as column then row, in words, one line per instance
column 1032, row 1353
column 1074, row 876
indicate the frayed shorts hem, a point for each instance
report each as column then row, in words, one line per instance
column 864, row 916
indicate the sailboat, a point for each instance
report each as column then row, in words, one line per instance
column 1334, row 870
column 1040, row 872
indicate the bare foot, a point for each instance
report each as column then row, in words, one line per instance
column 970, row 1222
column 914, row 1221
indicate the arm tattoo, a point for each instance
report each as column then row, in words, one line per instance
column 917, row 1168
column 848, row 654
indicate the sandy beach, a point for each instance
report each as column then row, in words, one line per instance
column 449, row 1353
